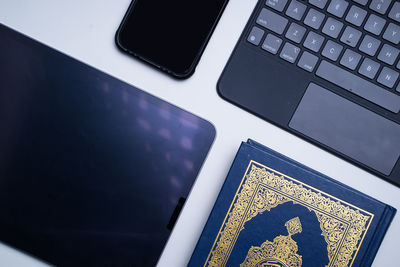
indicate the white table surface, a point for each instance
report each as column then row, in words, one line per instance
column 84, row 29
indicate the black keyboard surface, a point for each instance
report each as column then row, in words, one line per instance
column 351, row 44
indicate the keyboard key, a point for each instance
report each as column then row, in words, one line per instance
column 388, row 54
column 398, row 88
column 314, row 41
column 395, row 12
column 380, row 6
column 296, row 10
column 374, row 24
column 272, row 43
column 359, row 86
column 369, row 68
column 272, row 21
column 369, row 45
column 332, row 50
column 295, row 32
column 314, row 19
column 356, row 15
column 255, row 36
column 307, row 61
column 388, row 77
column 398, row 65
column 350, row 59
column 318, row 3
column 278, row 5
column 392, row 33
column 361, row 2
column 337, row 7
column 350, row 36
column 290, row 52
column 332, row 27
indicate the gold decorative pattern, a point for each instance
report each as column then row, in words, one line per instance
column 343, row 225
column 281, row 252
column 293, row 226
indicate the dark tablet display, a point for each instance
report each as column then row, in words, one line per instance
column 93, row 171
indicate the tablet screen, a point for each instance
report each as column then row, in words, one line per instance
column 93, row 172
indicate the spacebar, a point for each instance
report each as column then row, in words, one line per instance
column 359, row 86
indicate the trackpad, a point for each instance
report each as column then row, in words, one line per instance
column 348, row 128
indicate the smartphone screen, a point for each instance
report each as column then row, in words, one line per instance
column 170, row 35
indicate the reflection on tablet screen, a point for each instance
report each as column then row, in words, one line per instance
column 93, row 171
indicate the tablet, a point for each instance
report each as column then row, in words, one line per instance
column 93, row 171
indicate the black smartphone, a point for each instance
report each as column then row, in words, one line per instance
column 170, row 35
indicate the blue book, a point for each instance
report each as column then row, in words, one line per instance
column 274, row 211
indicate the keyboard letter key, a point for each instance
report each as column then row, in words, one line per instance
column 388, row 54
column 374, row 24
column 314, row 19
column 314, row 41
column 296, row 10
column 350, row 59
column 356, row 15
column 392, row 33
column 332, row 27
column 350, row 36
column 395, row 12
column 337, row 7
column 295, row 32
column 388, row 77
column 369, row 45
column 318, row 3
column 361, row 2
column 332, row 50
column 369, row 68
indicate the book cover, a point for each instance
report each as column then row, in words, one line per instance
column 274, row 211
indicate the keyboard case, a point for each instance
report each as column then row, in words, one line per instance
column 272, row 88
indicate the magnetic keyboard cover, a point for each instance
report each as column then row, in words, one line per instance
column 354, row 45
column 348, row 47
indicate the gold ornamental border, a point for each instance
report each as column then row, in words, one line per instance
column 342, row 224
